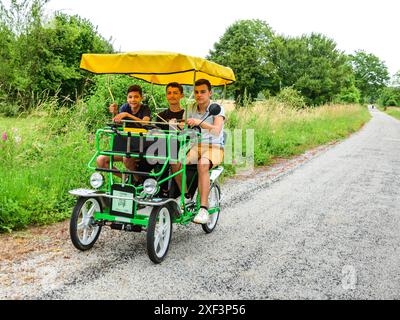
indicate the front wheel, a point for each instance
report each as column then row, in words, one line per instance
column 214, row 202
column 159, row 233
column 82, row 228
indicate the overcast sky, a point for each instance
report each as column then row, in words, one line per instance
column 192, row 27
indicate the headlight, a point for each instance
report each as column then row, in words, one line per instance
column 150, row 186
column 96, row 180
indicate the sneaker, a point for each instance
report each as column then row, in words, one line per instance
column 187, row 200
column 202, row 217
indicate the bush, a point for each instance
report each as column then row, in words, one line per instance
column 348, row 95
column 10, row 110
column 291, row 97
column 390, row 97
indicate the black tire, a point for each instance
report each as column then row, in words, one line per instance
column 214, row 201
column 159, row 232
column 85, row 224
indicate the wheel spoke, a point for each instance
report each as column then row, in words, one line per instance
column 156, row 240
column 161, row 243
column 164, row 229
column 91, row 211
column 84, row 211
column 160, row 233
column 85, row 235
column 161, row 227
column 161, row 218
column 157, row 231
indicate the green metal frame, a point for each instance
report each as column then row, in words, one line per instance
column 138, row 219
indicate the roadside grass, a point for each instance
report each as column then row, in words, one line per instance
column 46, row 153
column 281, row 132
column 393, row 111
column 42, row 158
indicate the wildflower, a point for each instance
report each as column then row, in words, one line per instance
column 17, row 139
column 4, row 136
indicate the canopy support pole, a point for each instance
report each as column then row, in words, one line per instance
column 186, row 105
column 152, row 96
column 109, row 90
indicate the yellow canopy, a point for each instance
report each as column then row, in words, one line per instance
column 159, row 67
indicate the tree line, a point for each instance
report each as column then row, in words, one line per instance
column 39, row 58
column 265, row 63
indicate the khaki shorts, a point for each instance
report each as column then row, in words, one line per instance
column 212, row 152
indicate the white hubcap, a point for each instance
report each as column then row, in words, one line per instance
column 213, row 202
column 85, row 229
column 162, row 232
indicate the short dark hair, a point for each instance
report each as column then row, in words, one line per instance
column 174, row 85
column 135, row 88
column 200, row 82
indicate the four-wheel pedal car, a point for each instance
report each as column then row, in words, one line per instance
column 148, row 198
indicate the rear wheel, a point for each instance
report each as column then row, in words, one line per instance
column 82, row 228
column 159, row 233
column 214, row 202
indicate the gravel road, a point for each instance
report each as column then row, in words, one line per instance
column 324, row 225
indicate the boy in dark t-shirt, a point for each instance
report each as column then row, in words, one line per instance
column 174, row 94
column 168, row 119
column 132, row 110
column 141, row 114
column 169, row 115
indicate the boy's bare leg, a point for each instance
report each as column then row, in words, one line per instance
column 104, row 162
column 131, row 165
column 204, row 180
column 178, row 178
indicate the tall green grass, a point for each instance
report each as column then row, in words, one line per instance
column 43, row 157
column 394, row 112
column 46, row 153
column 280, row 131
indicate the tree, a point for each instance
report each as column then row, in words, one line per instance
column 371, row 74
column 69, row 37
column 312, row 65
column 6, row 38
column 245, row 47
column 43, row 55
column 349, row 94
column 389, row 96
column 395, row 81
